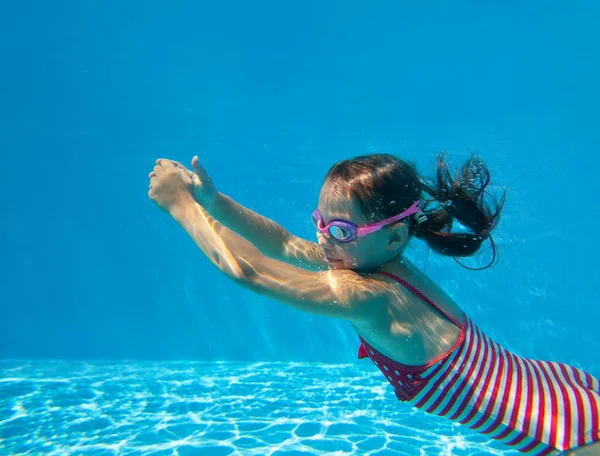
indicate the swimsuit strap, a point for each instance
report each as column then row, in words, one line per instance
column 414, row 290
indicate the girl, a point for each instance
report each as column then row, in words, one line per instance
column 434, row 356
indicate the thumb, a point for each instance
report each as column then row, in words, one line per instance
column 195, row 163
column 199, row 169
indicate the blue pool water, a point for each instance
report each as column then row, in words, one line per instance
column 118, row 337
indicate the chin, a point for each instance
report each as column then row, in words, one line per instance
column 337, row 264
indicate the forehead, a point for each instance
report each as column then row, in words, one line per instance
column 336, row 202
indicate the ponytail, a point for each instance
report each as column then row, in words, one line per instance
column 462, row 198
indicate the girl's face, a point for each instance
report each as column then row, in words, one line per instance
column 365, row 253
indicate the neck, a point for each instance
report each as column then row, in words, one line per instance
column 398, row 265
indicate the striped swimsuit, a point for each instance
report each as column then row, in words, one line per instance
column 536, row 407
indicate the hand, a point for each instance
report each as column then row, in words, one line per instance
column 171, row 185
column 204, row 190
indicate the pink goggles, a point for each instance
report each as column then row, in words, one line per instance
column 345, row 231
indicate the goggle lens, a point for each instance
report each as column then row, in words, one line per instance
column 341, row 234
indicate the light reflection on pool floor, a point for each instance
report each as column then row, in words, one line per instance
column 208, row 408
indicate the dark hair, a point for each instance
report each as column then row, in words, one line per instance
column 385, row 186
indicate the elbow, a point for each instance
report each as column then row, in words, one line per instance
column 249, row 277
column 230, row 266
column 244, row 274
column 244, row 270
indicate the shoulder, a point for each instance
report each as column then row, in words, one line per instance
column 370, row 295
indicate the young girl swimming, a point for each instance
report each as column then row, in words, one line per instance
column 431, row 352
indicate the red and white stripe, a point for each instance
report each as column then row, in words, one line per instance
column 536, row 407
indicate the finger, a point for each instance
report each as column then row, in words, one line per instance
column 165, row 163
column 172, row 164
column 186, row 174
column 151, row 175
column 158, row 170
column 182, row 169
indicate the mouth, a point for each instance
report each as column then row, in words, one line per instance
column 332, row 260
column 330, row 257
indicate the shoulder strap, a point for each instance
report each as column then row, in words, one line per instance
column 414, row 290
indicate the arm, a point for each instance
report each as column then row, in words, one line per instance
column 268, row 236
column 340, row 294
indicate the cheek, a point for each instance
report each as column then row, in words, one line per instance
column 359, row 251
column 346, row 253
column 368, row 249
column 356, row 252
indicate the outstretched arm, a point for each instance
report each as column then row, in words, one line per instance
column 269, row 237
column 336, row 293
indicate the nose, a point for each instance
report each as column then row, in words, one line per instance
column 323, row 238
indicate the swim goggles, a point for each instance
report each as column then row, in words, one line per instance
column 345, row 231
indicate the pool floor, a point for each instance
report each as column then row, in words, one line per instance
column 216, row 408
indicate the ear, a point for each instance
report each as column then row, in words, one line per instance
column 398, row 237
